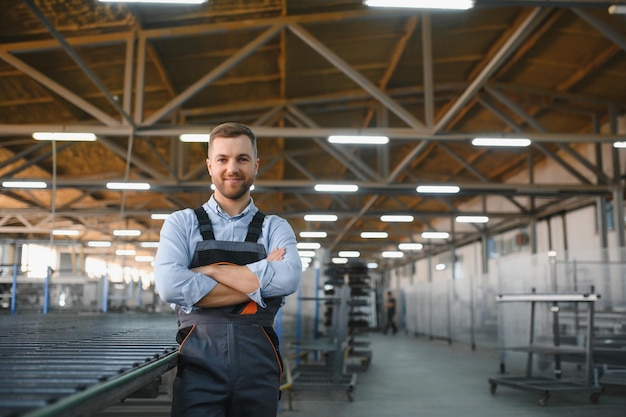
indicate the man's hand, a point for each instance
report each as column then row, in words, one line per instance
column 277, row 254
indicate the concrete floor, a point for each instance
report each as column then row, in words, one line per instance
column 416, row 376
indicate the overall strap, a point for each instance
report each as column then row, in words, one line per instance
column 206, row 229
column 255, row 226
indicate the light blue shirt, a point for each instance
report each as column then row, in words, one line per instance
column 180, row 233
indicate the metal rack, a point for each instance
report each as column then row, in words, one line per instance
column 331, row 373
column 77, row 365
column 543, row 385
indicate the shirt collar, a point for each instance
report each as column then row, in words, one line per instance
column 214, row 206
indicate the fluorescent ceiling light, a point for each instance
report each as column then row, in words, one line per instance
column 65, row 232
column 396, row 218
column 435, row 235
column 621, row 144
column 334, row 188
column 374, row 235
column 149, row 244
column 349, row 253
column 194, row 137
column 472, row 219
column 617, row 9
column 308, row 245
column 65, row 136
column 440, row 267
column 125, row 252
column 24, row 184
column 306, row 253
column 392, row 254
column 156, row 1
column 410, row 246
column 99, row 244
column 159, row 216
column 144, row 258
column 128, row 186
column 339, row 261
column 313, row 234
column 423, row 4
column 358, row 140
column 372, row 265
column 438, row 189
column 510, row 142
column 126, row 232
column 320, row 218
column 306, row 260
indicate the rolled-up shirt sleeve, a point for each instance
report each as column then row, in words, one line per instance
column 174, row 281
column 277, row 278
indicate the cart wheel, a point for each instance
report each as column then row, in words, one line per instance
column 594, row 398
column 492, row 388
column 543, row 399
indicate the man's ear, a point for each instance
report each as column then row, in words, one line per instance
column 208, row 166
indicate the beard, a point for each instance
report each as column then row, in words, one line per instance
column 233, row 192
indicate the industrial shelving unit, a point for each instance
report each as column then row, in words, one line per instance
column 330, row 374
column 544, row 385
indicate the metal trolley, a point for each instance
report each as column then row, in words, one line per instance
column 544, row 385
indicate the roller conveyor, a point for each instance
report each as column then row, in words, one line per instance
column 71, row 366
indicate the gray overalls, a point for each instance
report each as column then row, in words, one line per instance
column 229, row 363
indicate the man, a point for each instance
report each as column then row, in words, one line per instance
column 391, row 312
column 227, row 267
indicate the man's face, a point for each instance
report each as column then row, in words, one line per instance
column 232, row 166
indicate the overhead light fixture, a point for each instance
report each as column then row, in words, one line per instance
column 337, row 188
column 149, row 244
column 471, row 219
column 349, row 253
column 156, row 1
column 440, row 267
column 65, row 232
column 339, row 261
column 621, row 144
column 320, row 217
column 128, row 186
column 313, row 234
column 194, row 137
column 435, row 235
column 125, row 252
column 65, row 136
column 438, row 189
column 308, row 245
column 99, row 244
column 306, row 253
column 372, row 265
column 504, row 142
column 358, row 140
column 144, row 258
column 24, row 184
column 410, row 246
column 159, row 216
column 126, row 232
column 374, row 235
column 617, row 9
column 393, row 218
column 423, row 4
column 306, row 260
column 392, row 254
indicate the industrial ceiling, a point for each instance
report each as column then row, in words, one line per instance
column 297, row 71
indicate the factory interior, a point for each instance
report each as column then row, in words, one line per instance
column 464, row 160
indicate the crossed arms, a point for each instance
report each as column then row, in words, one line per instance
column 235, row 282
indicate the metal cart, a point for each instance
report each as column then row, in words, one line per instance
column 543, row 385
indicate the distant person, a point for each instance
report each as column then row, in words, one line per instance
column 390, row 305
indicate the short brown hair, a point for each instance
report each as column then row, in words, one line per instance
column 232, row 130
